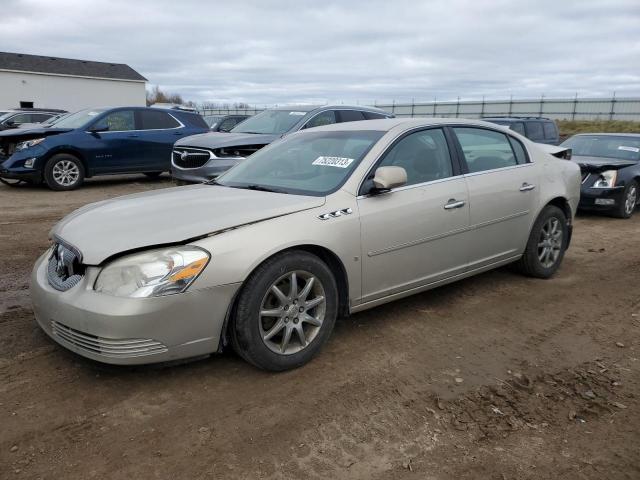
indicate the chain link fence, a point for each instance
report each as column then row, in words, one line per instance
column 612, row 108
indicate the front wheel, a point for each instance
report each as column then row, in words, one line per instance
column 63, row 172
column 629, row 201
column 285, row 312
column 546, row 245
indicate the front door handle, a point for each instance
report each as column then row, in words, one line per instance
column 526, row 187
column 453, row 203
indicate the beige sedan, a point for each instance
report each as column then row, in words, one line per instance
column 323, row 223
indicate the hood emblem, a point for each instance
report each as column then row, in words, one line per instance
column 184, row 155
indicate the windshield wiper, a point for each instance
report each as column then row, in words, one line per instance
column 258, row 188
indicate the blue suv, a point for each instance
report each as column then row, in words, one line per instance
column 98, row 141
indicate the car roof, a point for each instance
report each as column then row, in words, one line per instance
column 387, row 124
column 514, row 119
column 311, row 108
column 608, row 134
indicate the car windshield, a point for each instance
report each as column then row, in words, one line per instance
column 274, row 122
column 312, row 163
column 79, row 119
column 608, row 146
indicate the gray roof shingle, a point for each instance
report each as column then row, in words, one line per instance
column 67, row 66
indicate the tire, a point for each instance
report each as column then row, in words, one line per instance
column 153, row 174
column 535, row 262
column 629, row 201
column 250, row 327
column 63, row 172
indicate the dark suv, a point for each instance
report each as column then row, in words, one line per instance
column 204, row 157
column 98, row 141
column 536, row 129
column 16, row 117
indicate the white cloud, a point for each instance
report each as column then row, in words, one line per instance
column 300, row 50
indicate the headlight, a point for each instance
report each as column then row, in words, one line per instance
column 152, row 274
column 29, row 143
column 606, row 179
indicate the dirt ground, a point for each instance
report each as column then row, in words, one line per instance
column 495, row 377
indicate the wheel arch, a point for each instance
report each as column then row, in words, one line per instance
column 69, row 151
column 326, row 255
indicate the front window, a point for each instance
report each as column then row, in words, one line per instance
column 119, row 121
column 313, row 163
column 79, row 119
column 607, row 146
column 274, row 122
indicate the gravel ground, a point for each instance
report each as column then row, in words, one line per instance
column 494, row 377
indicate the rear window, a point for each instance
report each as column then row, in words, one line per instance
column 534, row 131
column 350, row 115
column 152, row 120
column 517, row 127
column 374, row 116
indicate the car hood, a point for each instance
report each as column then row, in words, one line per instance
column 176, row 215
column 34, row 132
column 219, row 140
column 600, row 164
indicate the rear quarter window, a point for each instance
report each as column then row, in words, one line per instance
column 550, row 131
column 350, row 115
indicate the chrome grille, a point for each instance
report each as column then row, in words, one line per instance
column 109, row 347
column 64, row 269
column 187, row 157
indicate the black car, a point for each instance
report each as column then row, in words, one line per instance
column 16, row 117
column 610, row 164
column 223, row 123
column 536, row 129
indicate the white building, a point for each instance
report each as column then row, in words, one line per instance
column 50, row 82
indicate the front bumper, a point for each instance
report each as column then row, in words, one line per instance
column 209, row 171
column 28, row 175
column 129, row 331
column 600, row 198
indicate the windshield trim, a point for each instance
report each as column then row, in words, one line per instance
column 290, row 129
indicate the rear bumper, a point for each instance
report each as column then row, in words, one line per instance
column 209, row 171
column 600, row 198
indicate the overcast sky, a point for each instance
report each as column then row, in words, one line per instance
column 284, row 51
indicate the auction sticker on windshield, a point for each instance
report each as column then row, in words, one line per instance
column 297, row 113
column 629, row 149
column 340, row 162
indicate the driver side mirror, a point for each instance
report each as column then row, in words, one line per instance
column 387, row 178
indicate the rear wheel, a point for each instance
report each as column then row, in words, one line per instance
column 285, row 312
column 546, row 245
column 63, row 172
column 629, row 201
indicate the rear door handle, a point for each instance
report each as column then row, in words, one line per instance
column 527, row 187
column 453, row 203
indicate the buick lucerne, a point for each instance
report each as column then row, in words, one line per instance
column 323, row 223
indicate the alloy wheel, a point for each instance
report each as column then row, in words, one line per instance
column 631, row 200
column 292, row 312
column 550, row 242
column 66, row 173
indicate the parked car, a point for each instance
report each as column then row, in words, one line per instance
column 203, row 157
column 537, row 129
column 325, row 222
column 96, row 141
column 610, row 165
column 46, row 124
column 224, row 123
column 15, row 118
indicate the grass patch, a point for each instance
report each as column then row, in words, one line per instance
column 571, row 127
